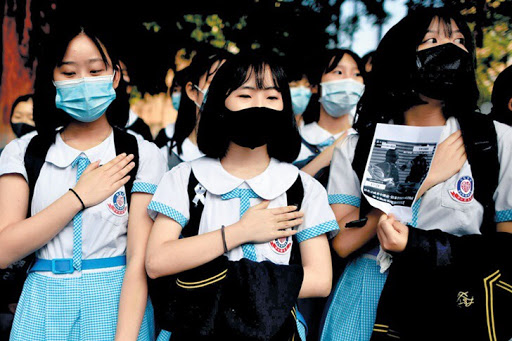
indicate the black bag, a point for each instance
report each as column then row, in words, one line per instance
column 230, row 300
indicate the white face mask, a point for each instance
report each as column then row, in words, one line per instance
column 341, row 96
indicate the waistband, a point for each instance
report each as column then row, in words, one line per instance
column 65, row 265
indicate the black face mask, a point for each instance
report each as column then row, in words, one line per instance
column 21, row 129
column 442, row 70
column 252, row 127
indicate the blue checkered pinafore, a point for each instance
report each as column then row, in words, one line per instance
column 82, row 308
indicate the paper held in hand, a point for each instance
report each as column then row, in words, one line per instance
column 398, row 163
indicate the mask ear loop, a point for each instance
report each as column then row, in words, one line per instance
column 204, row 96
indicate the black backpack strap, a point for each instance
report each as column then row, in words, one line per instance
column 125, row 142
column 361, row 154
column 196, row 209
column 479, row 134
column 295, row 196
column 34, row 159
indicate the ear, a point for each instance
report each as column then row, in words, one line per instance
column 117, row 76
column 191, row 92
column 314, row 89
column 509, row 106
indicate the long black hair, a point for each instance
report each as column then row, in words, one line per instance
column 325, row 64
column 201, row 65
column 501, row 95
column 213, row 139
column 46, row 115
column 392, row 91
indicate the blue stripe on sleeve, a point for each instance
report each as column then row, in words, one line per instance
column 144, row 187
column 502, row 216
column 317, row 230
column 168, row 211
column 344, row 199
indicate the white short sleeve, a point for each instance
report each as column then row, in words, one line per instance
column 344, row 186
column 12, row 159
column 318, row 215
column 171, row 197
column 152, row 167
column 503, row 193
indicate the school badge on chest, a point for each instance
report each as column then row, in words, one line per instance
column 118, row 204
column 281, row 245
column 464, row 191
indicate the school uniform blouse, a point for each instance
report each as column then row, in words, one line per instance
column 317, row 136
column 449, row 206
column 104, row 225
column 189, row 150
column 171, row 199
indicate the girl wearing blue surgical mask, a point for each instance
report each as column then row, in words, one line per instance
column 83, row 183
column 328, row 117
column 197, row 78
column 301, row 91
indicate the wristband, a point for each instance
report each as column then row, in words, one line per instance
column 72, row 190
column 224, row 239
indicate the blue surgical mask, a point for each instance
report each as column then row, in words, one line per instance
column 205, row 94
column 85, row 99
column 340, row 97
column 300, row 99
column 176, row 98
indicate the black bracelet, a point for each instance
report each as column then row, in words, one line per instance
column 224, row 239
column 72, row 190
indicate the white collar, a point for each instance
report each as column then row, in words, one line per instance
column 62, row 155
column 274, row 181
column 190, row 151
column 132, row 117
column 314, row 134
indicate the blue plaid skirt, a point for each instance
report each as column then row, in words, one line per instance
column 353, row 304
column 80, row 308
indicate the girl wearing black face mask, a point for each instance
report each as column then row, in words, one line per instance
column 423, row 75
column 22, row 121
column 238, row 207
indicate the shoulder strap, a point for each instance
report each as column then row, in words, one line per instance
column 295, row 196
column 479, row 134
column 196, row 209
column 34, row 159
column 126, row 143
column 359, row 164
column 141, row 128
column 314, row 149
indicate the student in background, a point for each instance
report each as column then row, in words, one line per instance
column 328, row 118
column 502, row 97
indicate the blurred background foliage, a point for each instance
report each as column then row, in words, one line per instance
column 156, row 38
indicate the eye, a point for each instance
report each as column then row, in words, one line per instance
column 68, row 73
column 357, row 74
column 461, row 41
column 338, row 72
column 95, row 71
column 430, row 41
column 244, row 96
column 272, row 98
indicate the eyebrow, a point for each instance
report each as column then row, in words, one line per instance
column 265, row 88
column 437, row 31
column 90, row 61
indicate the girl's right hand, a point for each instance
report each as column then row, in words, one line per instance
column 98, row 183
column 262, row 224
column 449, row 158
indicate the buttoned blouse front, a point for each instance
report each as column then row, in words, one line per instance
column 104, row 226
column 171, row 199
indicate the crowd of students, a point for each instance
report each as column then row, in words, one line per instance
column 244, row 219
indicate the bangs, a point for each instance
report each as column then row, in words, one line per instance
column 259, row 71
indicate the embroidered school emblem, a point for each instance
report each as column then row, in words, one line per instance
column 463, row 299
column 281, row 245
column 118, row 204
column 464, row 191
